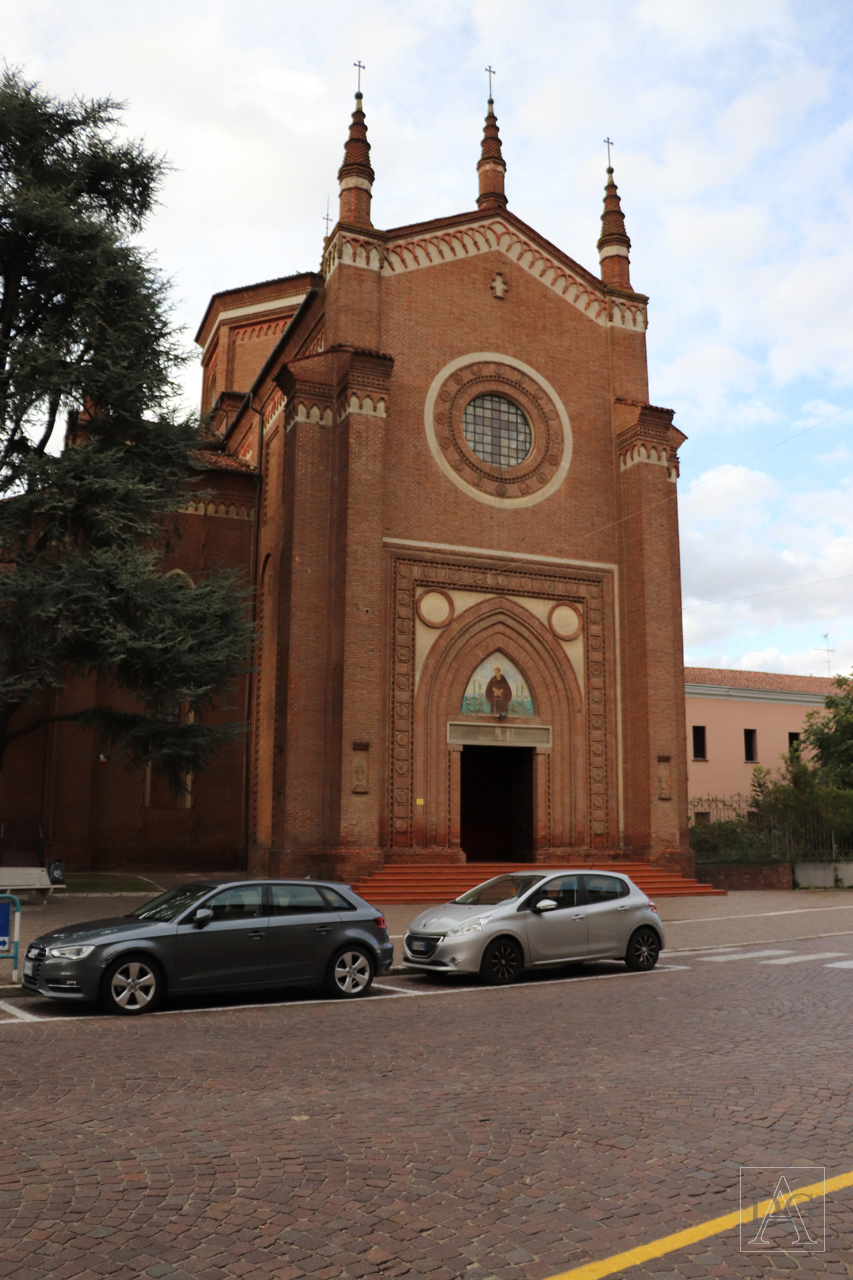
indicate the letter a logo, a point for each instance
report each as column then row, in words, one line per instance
column 783, row 1210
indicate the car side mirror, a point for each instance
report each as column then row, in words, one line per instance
column 547, row 904
column 202, row 916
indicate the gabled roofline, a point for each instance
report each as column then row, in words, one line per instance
column 246, row 288
column 273, row 357
column 462, row 219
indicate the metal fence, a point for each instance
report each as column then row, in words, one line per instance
column 727, row 829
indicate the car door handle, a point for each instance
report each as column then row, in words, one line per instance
column 577, row 917
column 323, row 928
column 623, row 908
column 255, row 937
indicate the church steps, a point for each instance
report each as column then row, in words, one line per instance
column 441, row 882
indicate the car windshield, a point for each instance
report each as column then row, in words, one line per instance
column 171, row 904
column 501, row 889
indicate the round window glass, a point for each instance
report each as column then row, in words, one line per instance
column 497, row 431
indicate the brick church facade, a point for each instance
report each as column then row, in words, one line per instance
column 437, row 460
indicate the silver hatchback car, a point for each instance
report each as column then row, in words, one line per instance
column 536, row 921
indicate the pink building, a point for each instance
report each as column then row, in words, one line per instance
column 738, row 719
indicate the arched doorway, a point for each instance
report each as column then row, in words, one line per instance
column 514, row 784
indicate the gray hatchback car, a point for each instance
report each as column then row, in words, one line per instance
column 207, row 937
column 536, row 920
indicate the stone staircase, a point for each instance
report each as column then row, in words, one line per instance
column 443, row 883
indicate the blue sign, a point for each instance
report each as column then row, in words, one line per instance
column 5, row 925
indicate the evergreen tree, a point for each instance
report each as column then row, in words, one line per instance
column 87, row 337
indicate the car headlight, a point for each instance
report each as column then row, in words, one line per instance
column 470, row 926
column 70, row 953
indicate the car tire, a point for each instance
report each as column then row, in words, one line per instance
column 643, row 950
column 349, row 974
column 132, row 985
column 502, row 963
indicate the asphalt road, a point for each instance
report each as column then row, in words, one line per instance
column 435, row 1129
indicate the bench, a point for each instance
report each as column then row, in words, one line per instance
column 27, row 880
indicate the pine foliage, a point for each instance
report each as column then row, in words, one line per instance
column 87, row 336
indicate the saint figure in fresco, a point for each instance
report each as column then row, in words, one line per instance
column 498, row 693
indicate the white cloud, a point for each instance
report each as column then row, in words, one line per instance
column 733, row 123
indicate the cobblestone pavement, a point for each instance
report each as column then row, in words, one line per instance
column 430, row 1130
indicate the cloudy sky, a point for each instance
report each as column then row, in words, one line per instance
column 733, row 122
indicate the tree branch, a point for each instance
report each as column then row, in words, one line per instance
column 43, row 720
column 51, row 423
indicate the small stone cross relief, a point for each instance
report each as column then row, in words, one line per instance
column 499, row 286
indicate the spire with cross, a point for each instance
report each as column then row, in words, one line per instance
column 355, row 174
column 613, row 244
column 491, row 168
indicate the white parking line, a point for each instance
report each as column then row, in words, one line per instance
column 758, row 915
column 814, row 955
column 20, row 1015
column 745, row 955
column 840, row 964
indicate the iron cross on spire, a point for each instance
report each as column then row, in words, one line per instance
column 491, row 72
column 361, row 67
column 610, row 143
column 327, row 217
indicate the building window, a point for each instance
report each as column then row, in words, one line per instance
column 699, row 752
column 750, row 746
column 793, row 742
column 497, row 431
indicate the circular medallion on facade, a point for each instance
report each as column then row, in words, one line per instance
column 565, row 622
column 435, row 608
column 498, row 430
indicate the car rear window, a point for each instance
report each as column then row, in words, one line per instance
column 296, row 899
column 336, row 900
column 605, row 888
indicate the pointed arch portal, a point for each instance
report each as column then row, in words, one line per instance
column 502, row 759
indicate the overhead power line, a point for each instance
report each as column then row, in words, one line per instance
column 798, row 586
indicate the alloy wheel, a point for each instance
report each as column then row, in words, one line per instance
column 502, row 963
column 133, row 986
column 352, row 973
column 644, row 950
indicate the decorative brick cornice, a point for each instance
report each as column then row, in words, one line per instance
column 498, row 235
column 651, row 438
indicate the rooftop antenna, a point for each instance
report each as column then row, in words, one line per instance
column 610, row 143
column 491, row 72
column 361, row 67
column 826, row 649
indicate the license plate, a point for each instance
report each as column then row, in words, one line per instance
column 28, row 968
column 418, row 946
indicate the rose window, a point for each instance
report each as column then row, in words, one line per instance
column 496, row 430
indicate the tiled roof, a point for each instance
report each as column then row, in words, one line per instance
column 225, row 462
column 768, row 680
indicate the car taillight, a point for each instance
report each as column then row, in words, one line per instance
column 652, row 906
column 379, row 921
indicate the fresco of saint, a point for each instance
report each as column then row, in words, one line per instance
column 496, row 687
column 498, row 693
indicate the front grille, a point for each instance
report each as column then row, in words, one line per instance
column 36, row 955
column 421, row 945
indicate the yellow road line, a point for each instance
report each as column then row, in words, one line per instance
column 668, row 1244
